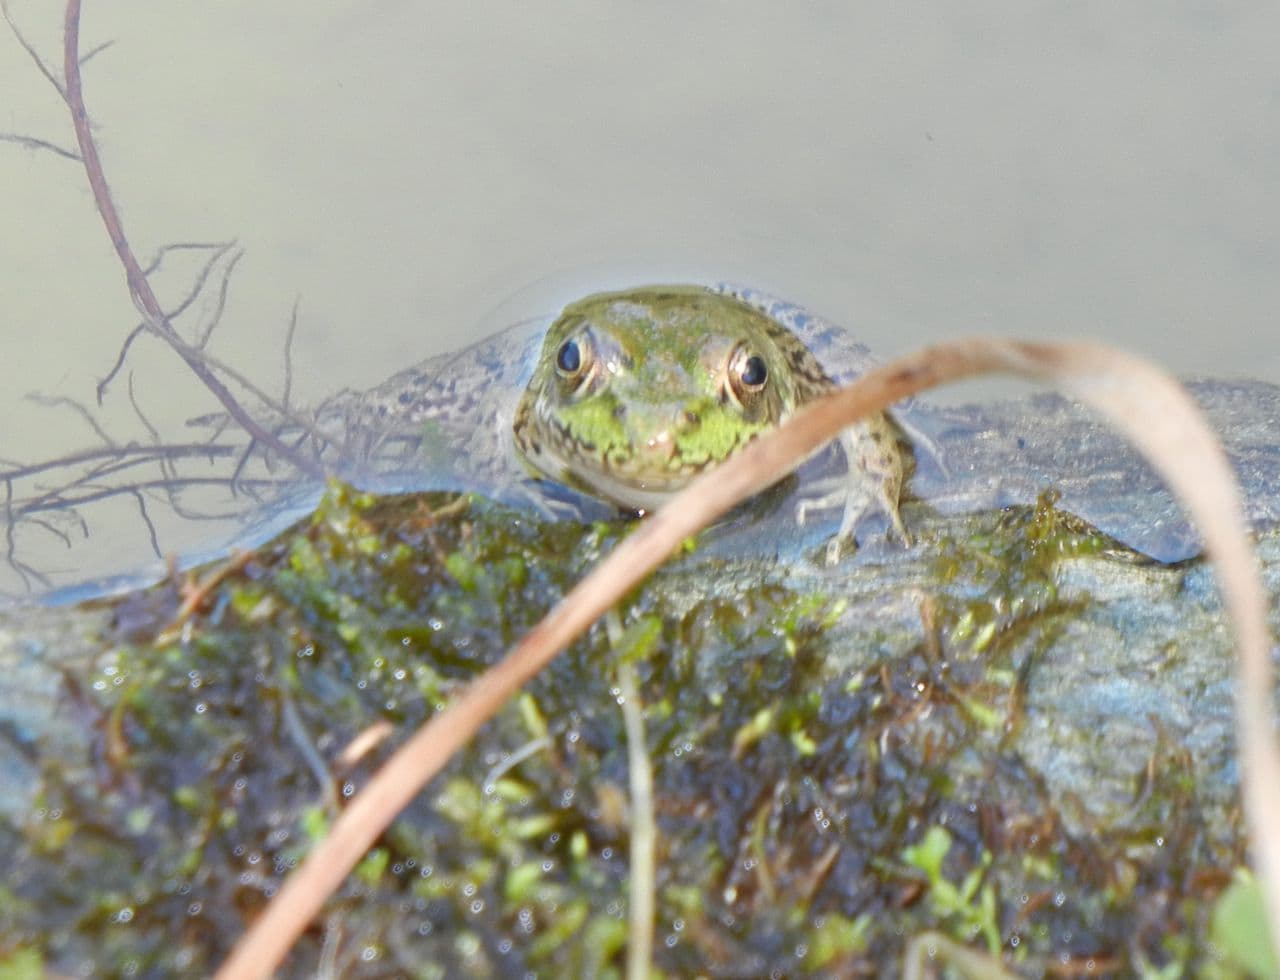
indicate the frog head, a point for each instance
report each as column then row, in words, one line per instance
column 635, row 393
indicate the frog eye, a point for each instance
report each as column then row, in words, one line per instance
column 754, row 373
column 748, row 372
column 569, row 358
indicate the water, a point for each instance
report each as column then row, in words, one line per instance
column 414, row 176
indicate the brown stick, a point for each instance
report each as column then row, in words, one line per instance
column 139, row 287
column 1141, row 400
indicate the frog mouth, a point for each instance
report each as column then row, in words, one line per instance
column 634, row 492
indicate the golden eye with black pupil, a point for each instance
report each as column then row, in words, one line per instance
column 748, row 373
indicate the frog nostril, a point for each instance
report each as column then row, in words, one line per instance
column 619, row 411
column 689, row 419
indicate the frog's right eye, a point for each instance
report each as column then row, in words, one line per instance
column 569, row 358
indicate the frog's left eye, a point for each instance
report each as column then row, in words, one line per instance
column 570, row 358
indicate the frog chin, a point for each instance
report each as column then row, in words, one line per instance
column 639, row 494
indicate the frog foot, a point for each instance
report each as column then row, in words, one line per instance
column 855, row 504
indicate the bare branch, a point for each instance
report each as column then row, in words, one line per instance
column 222, row 301
column 146, row 519
column 56, row 532
column 45, row 70
column 115, row 368
column 234, row 483
column 31, row 143
column 288, row 354
column 137, row 410
column 75, row 406
column 219, row 248
column 92, row 52
column 131, row 455
column 140, row 289
column 94, row 494
column 25, row 571
column 197, row 287
column 277, row 407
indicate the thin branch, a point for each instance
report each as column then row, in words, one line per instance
column 45, row 70
column 60, row 534
column 92, row 52
column 53, row 401
column 105, row 493
column 133, row 455
column 25, row 571
column 218, row 248
column 288, row 354
column 167, row 467
column 241, row 463
column 115, row 368
column 267, row 402
column 140, row 289
column 31, row 143
column 137, row 410
column 146, row 519
column 223, row 287
column 10, row 544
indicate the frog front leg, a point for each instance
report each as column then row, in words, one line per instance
column 876, row 467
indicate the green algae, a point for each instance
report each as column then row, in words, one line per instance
column 816, row 740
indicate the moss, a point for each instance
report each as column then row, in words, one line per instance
column 833, row 773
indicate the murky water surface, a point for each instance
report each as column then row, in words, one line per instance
column 416, row 176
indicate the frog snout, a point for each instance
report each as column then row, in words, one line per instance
column 656, row 432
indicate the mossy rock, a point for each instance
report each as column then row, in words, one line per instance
column 1017, row 734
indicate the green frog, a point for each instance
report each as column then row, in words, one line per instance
column 636, row 393
column 626, row 397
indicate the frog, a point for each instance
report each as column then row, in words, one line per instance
column 637, row 392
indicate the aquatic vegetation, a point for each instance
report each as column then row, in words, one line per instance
column 813, row 751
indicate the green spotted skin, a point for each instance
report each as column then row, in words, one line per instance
column 636, row 393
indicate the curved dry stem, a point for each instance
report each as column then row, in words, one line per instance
column 1143, row 402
